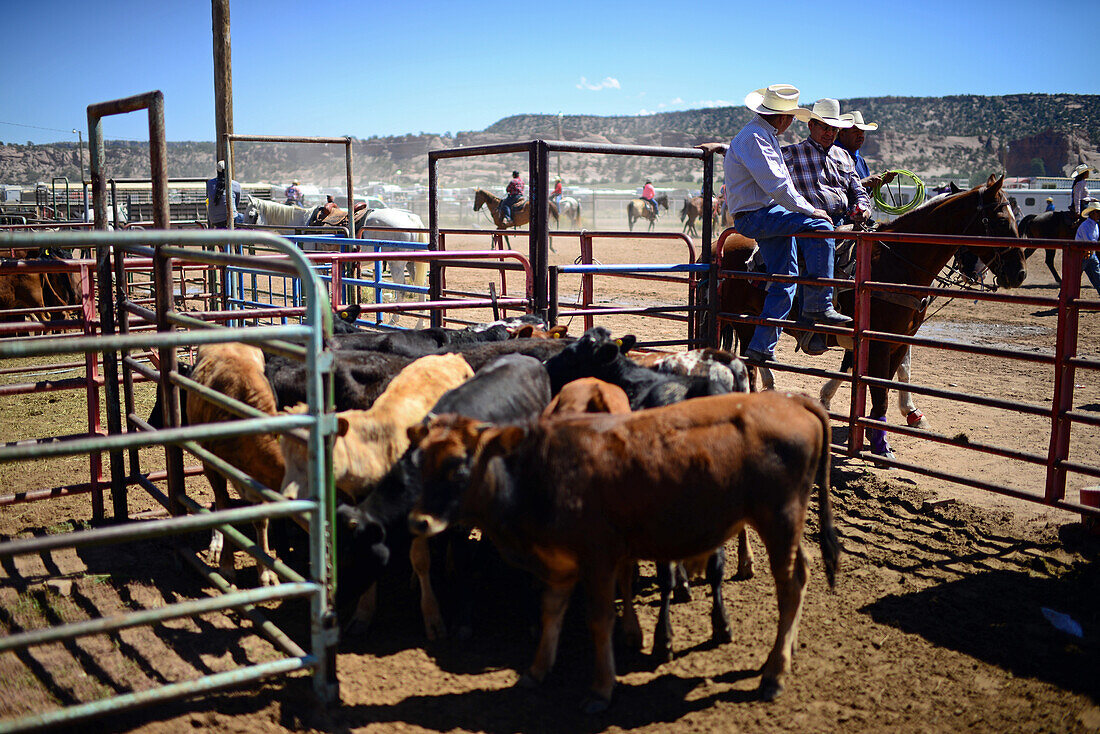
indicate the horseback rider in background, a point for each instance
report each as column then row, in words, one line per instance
column 514, row 191
column 294, row 194
column 648, row 195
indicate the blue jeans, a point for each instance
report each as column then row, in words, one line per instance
column 506, row 205
column 772, row 227
column 1091, row 268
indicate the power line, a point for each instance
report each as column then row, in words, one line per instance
column 59, row 130
column 37, row 127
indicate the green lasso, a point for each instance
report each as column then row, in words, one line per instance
column 918, row 195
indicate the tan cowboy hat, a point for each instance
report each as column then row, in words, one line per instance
column 856, row 118
column 1093, row 207
column 828, row 111
column 1082, row 168
column 777, row 99
column 295, row 182
column 1050, row 198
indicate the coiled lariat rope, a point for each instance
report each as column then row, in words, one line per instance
column 892, row 207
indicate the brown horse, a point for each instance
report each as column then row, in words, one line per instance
column 521, row 215
column 1057, row 225
column 638, row 209
column 981, row 211
column 693, row 209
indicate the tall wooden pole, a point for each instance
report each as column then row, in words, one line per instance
column 223, row 76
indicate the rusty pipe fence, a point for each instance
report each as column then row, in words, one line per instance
column 681, row 273
column 178, row 330
column 538, row 155
column 1053, row 458
column 232, row 138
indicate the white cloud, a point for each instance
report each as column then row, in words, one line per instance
column 607, row 83
column 677, row 101
column 715, row 103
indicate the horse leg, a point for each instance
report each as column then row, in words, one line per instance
column 913, row 416
column 828, row 390
column 1050, row 266
column 883, row 363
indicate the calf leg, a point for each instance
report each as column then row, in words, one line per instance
column 420, row 557
column 681, row 586
column 791, row 572
column 745, row 569
column 555, row 600
column 662, row 633
column 268, row 576
column 632, row 630
column 719, row 618
column 601, row 621
column 217, row 550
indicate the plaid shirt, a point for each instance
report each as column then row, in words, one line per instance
column 827, row 179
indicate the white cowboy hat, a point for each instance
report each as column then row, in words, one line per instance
column 828, row 111
column 1093, row 207
column 856, row 117
column 1050, row 198
column 776, row 99
column 1082, row 168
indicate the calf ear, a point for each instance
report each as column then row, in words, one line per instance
column 342, row 425
column 498, row 441
column 557, row 332
column 416, row 433
column 626, row 343
column 523, row 332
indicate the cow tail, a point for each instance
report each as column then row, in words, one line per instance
column 830, row 542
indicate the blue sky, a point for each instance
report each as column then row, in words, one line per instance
column 393, row 67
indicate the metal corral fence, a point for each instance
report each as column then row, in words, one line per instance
column 684, row 273
column 175, row 330
column 538, row 154
column 1052, row 458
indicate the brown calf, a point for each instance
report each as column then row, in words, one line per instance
column 579, row 496
column 237, row 371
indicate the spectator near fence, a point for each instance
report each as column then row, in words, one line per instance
column 215, row 200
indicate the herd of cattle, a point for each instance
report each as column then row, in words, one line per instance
column 576, row 460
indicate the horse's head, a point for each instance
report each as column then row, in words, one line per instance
column 997, row 220
column 663, row 201
column 480, row 198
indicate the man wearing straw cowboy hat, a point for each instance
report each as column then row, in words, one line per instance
column 825, row 174
column 851, row 140
column 768, row 208
column 1089, row 231
column 1080, row 190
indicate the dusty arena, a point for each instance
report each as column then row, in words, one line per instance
column 952, row 610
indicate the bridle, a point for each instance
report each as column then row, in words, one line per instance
column 985, row 211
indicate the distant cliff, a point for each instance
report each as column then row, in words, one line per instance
column 936, row 137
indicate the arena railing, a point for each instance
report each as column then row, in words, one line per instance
column 538, row 154
column 1053, row 457
column 163, row 247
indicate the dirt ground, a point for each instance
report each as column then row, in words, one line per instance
column 943, row 618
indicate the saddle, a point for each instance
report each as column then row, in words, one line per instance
column 844, row 268
column 339, row 217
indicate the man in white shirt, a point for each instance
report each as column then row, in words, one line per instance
column 1089, row 231
column 1080, row 191
column 767, row 207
